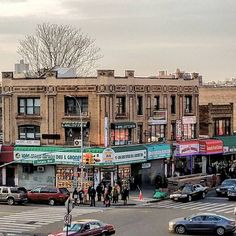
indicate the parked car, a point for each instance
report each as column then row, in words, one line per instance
column 203, row 223
column 13, row 195
column 87, row 227
column 225, row 186
column 50, row 195
column 189, row 192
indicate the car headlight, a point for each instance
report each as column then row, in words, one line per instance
column 217, row 189
column 171, row 224
column 184, row 195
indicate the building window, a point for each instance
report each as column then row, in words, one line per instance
column 120, row 105
column 121, row 137
column 222, row 127
column 189, row 131
column 173, row 104
column 157, row 102
column 173, row 131
column 27, row 132
column 28, row 106
column 188, row 104
column 139, row 105
column 156, row 133
column 72, row 134
column 73, row 104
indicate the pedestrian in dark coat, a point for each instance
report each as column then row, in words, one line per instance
column 92, row 195
column 125, row 194
column 75, row 196
column 99, row 192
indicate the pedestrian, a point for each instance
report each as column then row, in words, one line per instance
column 75, row 196
column 125, row 194
column 81, row 196
column 92, row 195
column 115, row 195
column 99, row 192
column 107, row 199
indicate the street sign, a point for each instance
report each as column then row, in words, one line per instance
column 41, row 162
column 67, row 219
column 69, row 205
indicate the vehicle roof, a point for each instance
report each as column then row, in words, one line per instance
column 84, row 221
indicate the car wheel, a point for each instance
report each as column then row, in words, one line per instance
column 218, row 194
column 230, row 198
column 189, row 198
column 10, row 201
column 180, row 229
column 220, row 231
column 203, row 195
column 51, row 202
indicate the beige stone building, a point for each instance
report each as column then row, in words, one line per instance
column 138, row 109
column 127, row 121
column 219, row 96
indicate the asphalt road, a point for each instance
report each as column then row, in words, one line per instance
column 148, row 219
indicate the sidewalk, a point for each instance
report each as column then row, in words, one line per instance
column 133, row 200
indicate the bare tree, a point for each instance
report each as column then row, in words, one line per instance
column 59, row 45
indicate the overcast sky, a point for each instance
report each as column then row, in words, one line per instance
column 144, row 35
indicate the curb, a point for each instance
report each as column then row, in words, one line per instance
column 158, row 200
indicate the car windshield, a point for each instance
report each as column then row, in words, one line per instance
column 186, row 189
column 228, row 182
column 73, row 228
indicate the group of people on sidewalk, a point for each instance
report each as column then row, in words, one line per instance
column 104, row 192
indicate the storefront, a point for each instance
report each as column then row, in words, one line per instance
column 229, row 146
column 211, row 151
column 122, row 133
column 185, row 158
column 122, row 165
column 158, row 157
column 7, row 172
column 46, row 165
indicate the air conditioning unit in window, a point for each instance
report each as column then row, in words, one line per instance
column 187, row 110
column 77, row 142
column 40, row 169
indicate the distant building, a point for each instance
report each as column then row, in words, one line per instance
column 21, row 68
column 215, row 120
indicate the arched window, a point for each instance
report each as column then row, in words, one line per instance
column 29, row 132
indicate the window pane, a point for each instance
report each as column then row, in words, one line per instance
column 30, row 102
column 30, row 110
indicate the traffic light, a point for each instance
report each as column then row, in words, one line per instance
column 88, row 159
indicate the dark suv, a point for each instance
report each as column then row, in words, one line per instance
column 50, row 195
column 13, row 195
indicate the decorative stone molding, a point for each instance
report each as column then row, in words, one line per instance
column 7, row 75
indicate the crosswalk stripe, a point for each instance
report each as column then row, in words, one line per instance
column 206, row 206
column 20, row 222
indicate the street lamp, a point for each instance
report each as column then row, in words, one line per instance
column 81, row 136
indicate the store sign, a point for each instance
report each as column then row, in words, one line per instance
column 130, row 157
column 178, row 130
column 158, row 151
column 27, row 142
column 211, row 146
column 60, row 157
column 189, row 120
column 108, row 155
column 159, row 117
column 73, row 124
column 187, row 149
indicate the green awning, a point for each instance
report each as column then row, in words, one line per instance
column 57, row 149
column 229, row 142
column 128, row 148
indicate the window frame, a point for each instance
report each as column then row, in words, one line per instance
column 24, row 135
column 23, row 109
